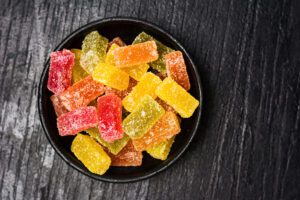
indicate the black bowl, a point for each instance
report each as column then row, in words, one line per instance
column 127, row 29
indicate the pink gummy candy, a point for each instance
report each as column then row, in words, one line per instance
column 110, row 117
column 77, row 120
column 60, row 72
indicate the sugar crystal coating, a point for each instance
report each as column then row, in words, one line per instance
column 89, row 61
column 166, row 127
column 177, row 97
column 113, row 147
column 111, row 76
column 58, row 107
column 96, row 43
column 91, row 154
column 81, row 93
column 146, row 86
column 110, row 117
column 158, row 64
column 137, row 54
column 60, row 72
column 77, row 120
column 161, row 151
column 127, row 157
column 121, row 93
column 176, row 69
column 78, row 73
column 142, row 118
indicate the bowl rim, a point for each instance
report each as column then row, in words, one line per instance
column 41, row 113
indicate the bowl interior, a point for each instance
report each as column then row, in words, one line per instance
column 127, row 29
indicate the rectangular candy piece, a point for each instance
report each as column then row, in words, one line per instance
column 77, row 120
column 143, row 118
column 60, row 72
column 91, row 154
column 137, row 54
column 128, row 157
column 113, row 147
column 110, row 117
column 118, row 41
column 58, row 107
column 111, row 76
column 96, row 43
column 78, row 72
column 158, row 64
column 81, row 93
column 166, row 127
column 121, row 93
column 177, row 97
column 89, row 61
column 176, row 69
column 162, row 150
column 146, row 86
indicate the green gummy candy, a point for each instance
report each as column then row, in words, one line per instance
column 162, row 49
column 142, row 118
column 95, row 42
column 114, row 147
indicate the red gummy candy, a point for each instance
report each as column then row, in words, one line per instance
column 110, row 117
column 60, row 72
column 77, row 120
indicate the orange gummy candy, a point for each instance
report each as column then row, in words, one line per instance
column 118, row 41
column 58, row 107
column 164, row 129
column 136, row 54
column 81, row 93
column 128, row 156
column 176, row 69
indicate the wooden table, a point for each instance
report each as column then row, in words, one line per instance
column 248, row 55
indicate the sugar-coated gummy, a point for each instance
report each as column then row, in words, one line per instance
column 118, row 41
column 127, row 157
column 60, row 72
column 166, row 127
column 165, row 105
column 81, row 93
column 111, row 76
column 121, row 93
column 162, row 49
column 136, row 54
column 109, row 108
column 142, row 118
column 78, row 72
column 96, row 43
column 146, row 86
column 77, row 120
column 89, row 61
column 161, row 151
column 176, row 69
column 113, row 147
column 59, row 108
column 91, row 154
column 177, row 97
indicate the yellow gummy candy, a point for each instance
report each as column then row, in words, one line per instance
column 146, row 86
column 136, row 72
column 114, row 147
column 78, row 72
column 177, row 97
column 111, row 76
column 161, row 150
column 91, row 154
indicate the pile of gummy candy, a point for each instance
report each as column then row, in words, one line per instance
column 119, row 100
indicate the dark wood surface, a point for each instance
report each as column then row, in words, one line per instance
column 248, row 55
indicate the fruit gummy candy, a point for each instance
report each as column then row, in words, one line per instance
column 81, row 93
column 142, row 118
column 77, row 120
column 60, row 72
column 89, row 61
column 118, row 41
column 177, row 97
column 113, row 147
column 146, row 86
column 176, row 69
column 161, row 150
column 121, row 93
column 91, row 154
column 58, row 107
column 137, row 54
column 78, row 72
column 158, row 64
column 110, row 117
column 127, row 157
column 166, row 127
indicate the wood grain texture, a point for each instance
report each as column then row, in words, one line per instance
column 248, row 56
